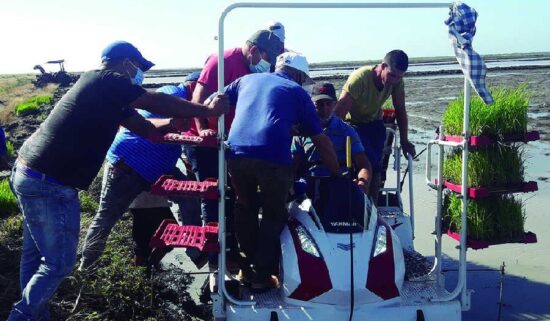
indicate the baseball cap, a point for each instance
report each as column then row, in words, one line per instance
column 297, row 61
column 323, row 91
column 267, row 41
column 194, row 76
column 277, row 28
column 123, row 49
column 177, row 91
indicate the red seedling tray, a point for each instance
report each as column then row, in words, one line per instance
column 527, row 238
column 480, row 192
column 485, row 140
column 170, row 234
column 166, row 185
column 186, row 139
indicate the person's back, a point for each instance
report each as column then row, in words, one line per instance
column 268, row 105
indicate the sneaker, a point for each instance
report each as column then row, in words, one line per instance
column 262, row 284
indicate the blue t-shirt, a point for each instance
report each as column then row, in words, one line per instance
column 267, row 107
column 148, row 159
column 337, row 130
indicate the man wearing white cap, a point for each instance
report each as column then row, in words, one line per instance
column 267, row 107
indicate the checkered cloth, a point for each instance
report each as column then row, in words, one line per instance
column 462, row 28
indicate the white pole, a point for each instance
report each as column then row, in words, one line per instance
column 464, row 225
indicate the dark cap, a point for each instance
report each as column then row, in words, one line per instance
column 269, row 42
column 194, row 76
column 323, row 91
column 123, row 49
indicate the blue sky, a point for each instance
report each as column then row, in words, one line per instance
column 180, row 33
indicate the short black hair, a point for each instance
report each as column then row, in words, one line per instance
column 397, row 59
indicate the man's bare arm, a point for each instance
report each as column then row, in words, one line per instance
column 343, row 105
column 364, row 171
column 170, row 106
column 398, row 100
column 200, row 94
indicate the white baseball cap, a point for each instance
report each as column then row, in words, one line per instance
column 297, row 61
column 277, row 28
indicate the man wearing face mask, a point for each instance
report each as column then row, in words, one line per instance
column 305, row 153
column 363, row 95
column 256, row 56
column 65, row 154
column 267, row 107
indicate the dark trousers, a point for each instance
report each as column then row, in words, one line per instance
column 259, row 241
column 146, row 222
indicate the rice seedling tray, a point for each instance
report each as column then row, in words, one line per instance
column 526, row 238
column 170, row 234
column 487, row 140
column 480, row 192
column 186, row 139
column 166, row 185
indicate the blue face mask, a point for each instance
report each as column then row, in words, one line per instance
column 138, row 78
column 262, row 66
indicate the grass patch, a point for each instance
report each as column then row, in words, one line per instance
column 87, row 203
column 31, row 105
column 508, row 114
column 497, row 218
column 15, row 89
column 10, row 149
column 8, row 202
column 499, row 165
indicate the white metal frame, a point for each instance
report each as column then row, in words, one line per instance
column 461, row 287
column 222, row 294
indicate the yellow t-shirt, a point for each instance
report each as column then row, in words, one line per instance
column 367, row 100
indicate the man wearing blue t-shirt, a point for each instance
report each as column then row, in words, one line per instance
column 304, row 151
column 267, row 107
column 133, row 164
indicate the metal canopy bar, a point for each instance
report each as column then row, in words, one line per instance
column 222, row 292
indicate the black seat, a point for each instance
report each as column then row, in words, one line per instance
column 334, row 198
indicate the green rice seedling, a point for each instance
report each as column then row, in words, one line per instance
column 10, row 149
column 499, row 165
column 8, row 202
column 497, row 218
column 32, row 105
column 508, row 114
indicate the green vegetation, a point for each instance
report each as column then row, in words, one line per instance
column 508, row 114
column 8, row 202
column 32, row 105
column 15, row 89
column 11, row 238
column 87, row 203
column 10, row 149
column 500, row 165
column 497, row 218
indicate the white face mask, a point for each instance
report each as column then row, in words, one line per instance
column 261, row 66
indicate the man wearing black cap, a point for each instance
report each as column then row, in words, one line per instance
column 65, row 154
column 304, row 151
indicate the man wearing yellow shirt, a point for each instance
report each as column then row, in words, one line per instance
column 363, row 95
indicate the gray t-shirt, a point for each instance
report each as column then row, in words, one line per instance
column 71, row 144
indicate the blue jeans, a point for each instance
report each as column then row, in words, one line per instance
column 372, row 136
column 51, row 223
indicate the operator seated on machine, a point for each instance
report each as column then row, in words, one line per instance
column 329, row 194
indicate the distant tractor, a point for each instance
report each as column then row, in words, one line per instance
column 61, row 77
